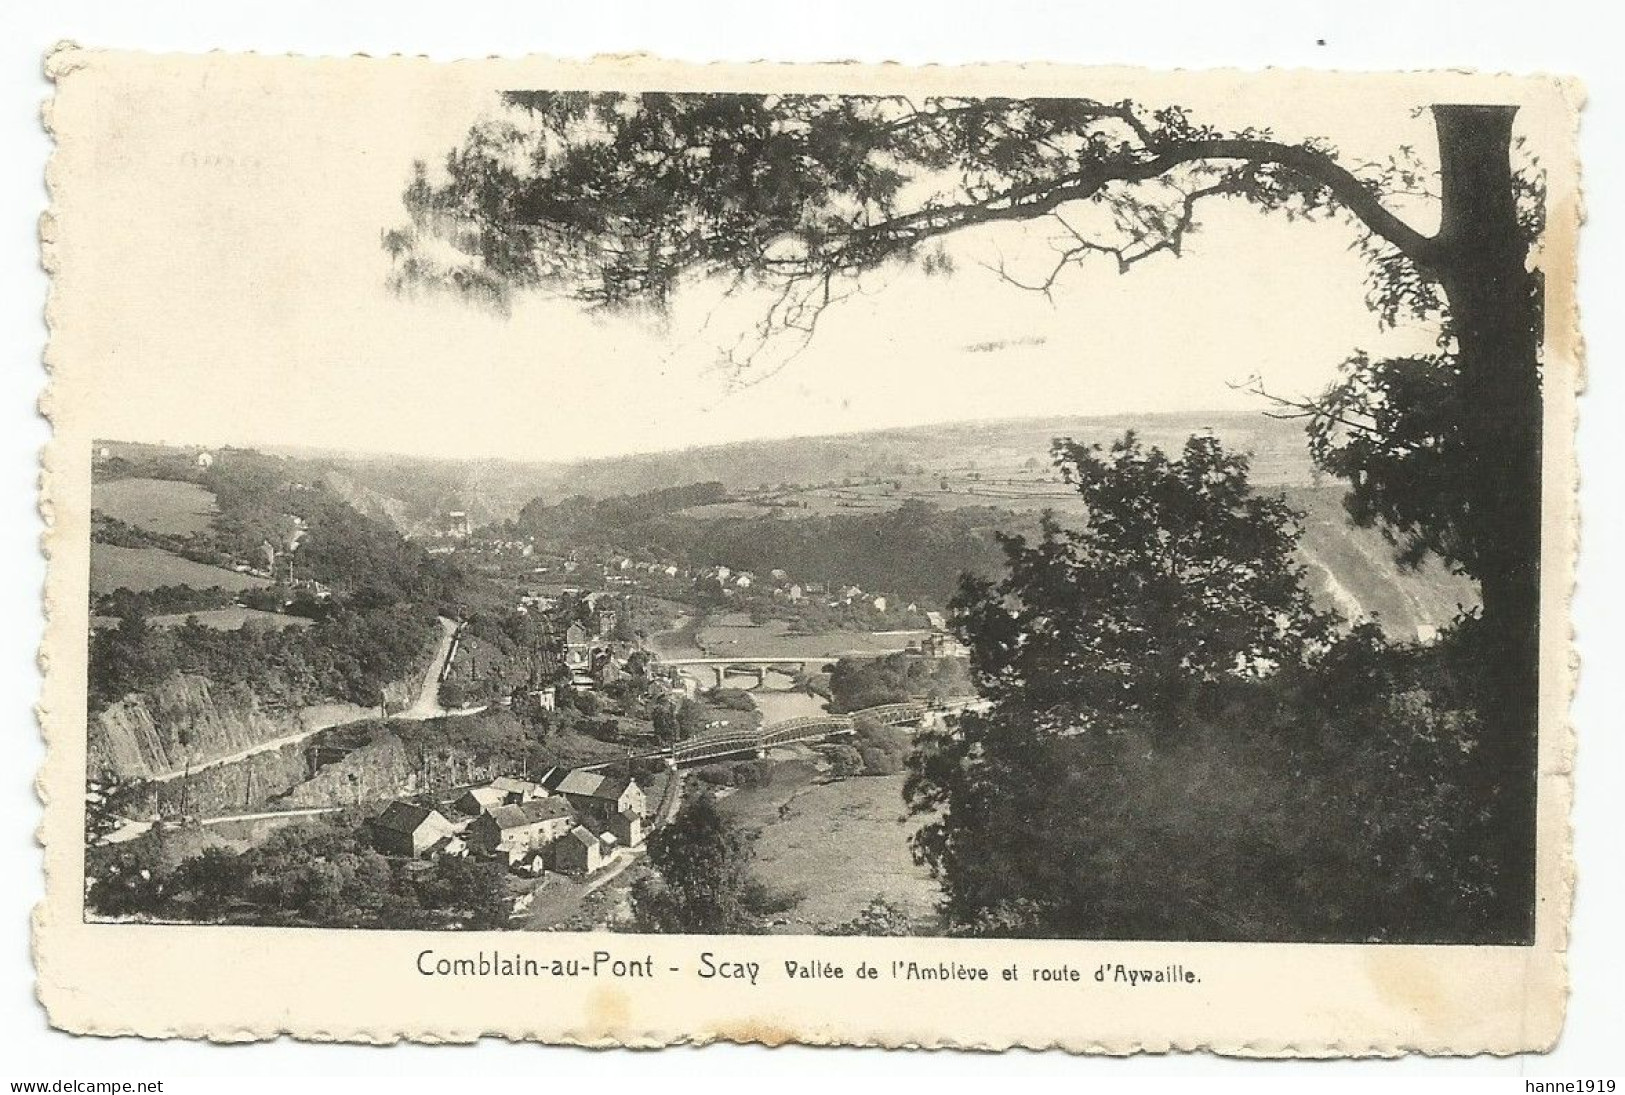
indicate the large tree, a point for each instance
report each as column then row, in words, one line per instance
column 618, row 198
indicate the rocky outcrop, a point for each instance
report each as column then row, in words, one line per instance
column 239, row 787
column 189, row 722
column 184, row 720
column 388, row 768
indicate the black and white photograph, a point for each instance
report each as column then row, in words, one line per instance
column 1242, row 646
column 515, row 504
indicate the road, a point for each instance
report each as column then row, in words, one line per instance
column 132, row 829
column 427, row 704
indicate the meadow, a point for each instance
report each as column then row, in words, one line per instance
column 838, row 845
column 166, row 506
column 141, row 569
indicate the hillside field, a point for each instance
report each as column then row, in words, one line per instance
column 165, row 506
column 141, row 569
column 838, row 845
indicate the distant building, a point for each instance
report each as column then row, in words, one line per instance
column 205, row 460
column 940, row 644
column 516, row 831
column 936, row 621
column 405, row 828
column 579, row 852
column 577, row 647
column 879, row 603
column 457, row 525
column 795, row 592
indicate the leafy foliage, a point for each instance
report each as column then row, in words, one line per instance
column 1181, row 576
column 375, row 627
column 319, row 872
column 1177, row 747
column 614, row 198
column 1396, row 429
column 856, row 683
column 704, row 875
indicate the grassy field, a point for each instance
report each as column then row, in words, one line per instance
column 231, row 619
column 837, row 844
column 734, row 634
column 161, row 505
column 140, row 569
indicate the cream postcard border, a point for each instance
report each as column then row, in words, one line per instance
column 234, row 984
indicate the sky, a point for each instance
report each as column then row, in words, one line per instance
column 222, row 274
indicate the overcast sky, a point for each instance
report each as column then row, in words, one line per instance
column 227, row 242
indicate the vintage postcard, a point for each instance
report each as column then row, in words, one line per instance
column 624, row 553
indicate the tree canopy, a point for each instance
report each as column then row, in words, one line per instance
column 1178, row 746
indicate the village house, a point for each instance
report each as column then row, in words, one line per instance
column 579, row 852
column 879, row 603
column 516, row 791
column 627, row 828
column 517, row 831
column 597, row 794
column 407, row 829
column 577, row 647
column 477, row 800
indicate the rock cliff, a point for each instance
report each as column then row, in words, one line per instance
column 153, row 735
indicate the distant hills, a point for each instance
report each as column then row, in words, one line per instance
column 415, row 492
column 1001, row 465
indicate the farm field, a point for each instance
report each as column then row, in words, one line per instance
column 838, row 844
column 160, row 505
column 141, row 569
column 231, row 619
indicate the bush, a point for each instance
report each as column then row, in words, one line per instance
column 844, row 761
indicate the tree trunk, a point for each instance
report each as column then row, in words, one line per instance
column 1496, row 318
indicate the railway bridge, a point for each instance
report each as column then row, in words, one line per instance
column 797, row 731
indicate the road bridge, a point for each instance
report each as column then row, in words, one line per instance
column 743, row 665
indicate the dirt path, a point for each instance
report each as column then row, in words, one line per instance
column 427, row 704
